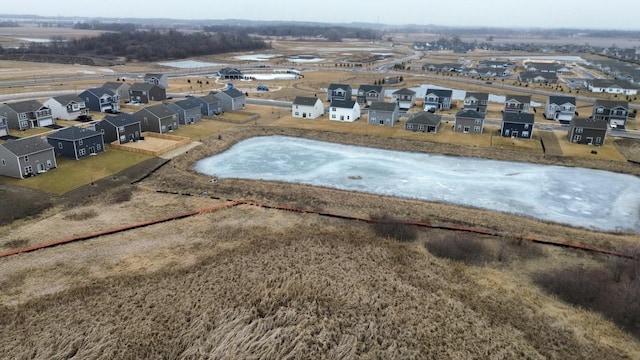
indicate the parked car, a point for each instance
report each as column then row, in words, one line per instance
column 263, row 88
column 84, row 118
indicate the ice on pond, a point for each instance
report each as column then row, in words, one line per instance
column 576, row 196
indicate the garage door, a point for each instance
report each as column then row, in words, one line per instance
column 46, row 122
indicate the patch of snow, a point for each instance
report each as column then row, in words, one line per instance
column 188, row 64
column 256, row 57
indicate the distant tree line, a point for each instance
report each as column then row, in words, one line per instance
column 331, row 33
column 6, row 24
column 152, row 45
column 97, row 25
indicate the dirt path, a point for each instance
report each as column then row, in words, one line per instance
column 551, row 144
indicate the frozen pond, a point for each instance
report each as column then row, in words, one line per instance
column 273, row 76
column 256, row 57
column 581, row 197
column 188, row 64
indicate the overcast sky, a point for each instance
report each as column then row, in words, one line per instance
column 597, row 14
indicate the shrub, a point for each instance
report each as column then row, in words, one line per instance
column 81, row 215
column 389, row 227
column 459, row 247
column 16, row 243
column 121, row 195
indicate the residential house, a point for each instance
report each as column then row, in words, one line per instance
column 23, row 115
column 230, row 73
column 344, row 110
column 517, row 103
column 405, row 98
column 370, row 93
column 144, row 93
column 469, row 121
column 209, row 105
column 339, row 92
column 157, row 79
column 560, row 108
column 76, row 143
column 306, row 107
column 120, row 88
column 4, row 126
column 517, row 125
column 611, row 86
column 613, row 112
column 437, row 99
column 26, row 157
column 423, row 121
column 542, row 67
column 231, row 99
column 66, row 107
column 587, row 131
column 157, row 118
column 496, row 64
column 122, row 127
column 188, row 110
column 477, row 101
column 101, row 99
column 384, row 113
column 531, row 77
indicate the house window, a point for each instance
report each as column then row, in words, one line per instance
column 334, row 109
column 4, row 162
column 49, row 163
column 409, row 126
column 577, row 138
column 102, row 131
column 600, row 110
column 98, row 147
column 476, row 129
column 80, row 142
column 297, row 113
column 526, row 126
column 26, row 158
column 59, row 145
column 478, row 121
column 525, row 134
column 579, row 130
column 459, row 127
column 598, row 140
column 82, row 152
column 28, row 170
column 333, row 116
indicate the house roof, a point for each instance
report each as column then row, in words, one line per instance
column 25, row 106
column 210, row 98
column 535, row 74
column 589, row 123
column 369, row 88
column 441, row 93
column 122, row 119
column 142, row 87
column 67, row 99
column 338, row 86
column 477, row 95
column 383, row 106
column 26, row 146
column 425, row 118
column 73, row 133
column 233, row 92
column 519, row 118
column 112, row 85
column 345, row 104
column 559, row 100
column 305, row 100
column 611, row 104
column 404, row 91
column 153, row 75
column 159, row 110
column 229, row 70
column 99, row 92
column 523, row 99
column 605, row 83
column 187, row 104
column 470, row 113
column 543, row 65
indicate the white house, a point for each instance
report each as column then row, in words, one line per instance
column 406, row 98
column 344, row 110
column 66, row 107
column 307, row 107
column 560, row 108
column 611, row 86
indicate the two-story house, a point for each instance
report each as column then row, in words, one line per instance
column 384, row 113
column 517, row 125
column 231, row 99
column 405, row 98
column 26, row 157
column 4, row 126
column 157, row 79
column 437, row 99
column 76, row 143
column 145, row 92
column 560, row 108
column 306, row 107
column 469, row 121
column 210, row 105
column 424, row 121
column 344, row 110
column 23, row 115
column 120, row 88
column 587, row 131
column 101, row 100
column 66, row 107
column 477, row 101
column 188, row 111
column 517, row 103
column 121, row 127
column 157, row 118
column 339, row 92
column 613, row 112
column 367, row 94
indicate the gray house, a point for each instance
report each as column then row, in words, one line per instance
column 27, row 114
column 230, row 73
column 76, row 143
column 517, row 103
column 437, row 99
column 66, row 107
column 423, row 121
column 157, row 118
column 339, row 92
column 538, row 77
column 4, row 126
column 384, row 113
column 26, row 157
column 120, row 88
column 560, row 108
column 469, row 121
column 405, row 98
column 123, row 128
column 101, row 99
column 209, row 105
column 145, row 92
column 613, row 112
column 517, row 125
column 188, row 110
column 231, row 99
column 367, row 94
column 157, row 79
column 587, row 131
column 477, row 101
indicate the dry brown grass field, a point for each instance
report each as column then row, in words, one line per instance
column 249, row 282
